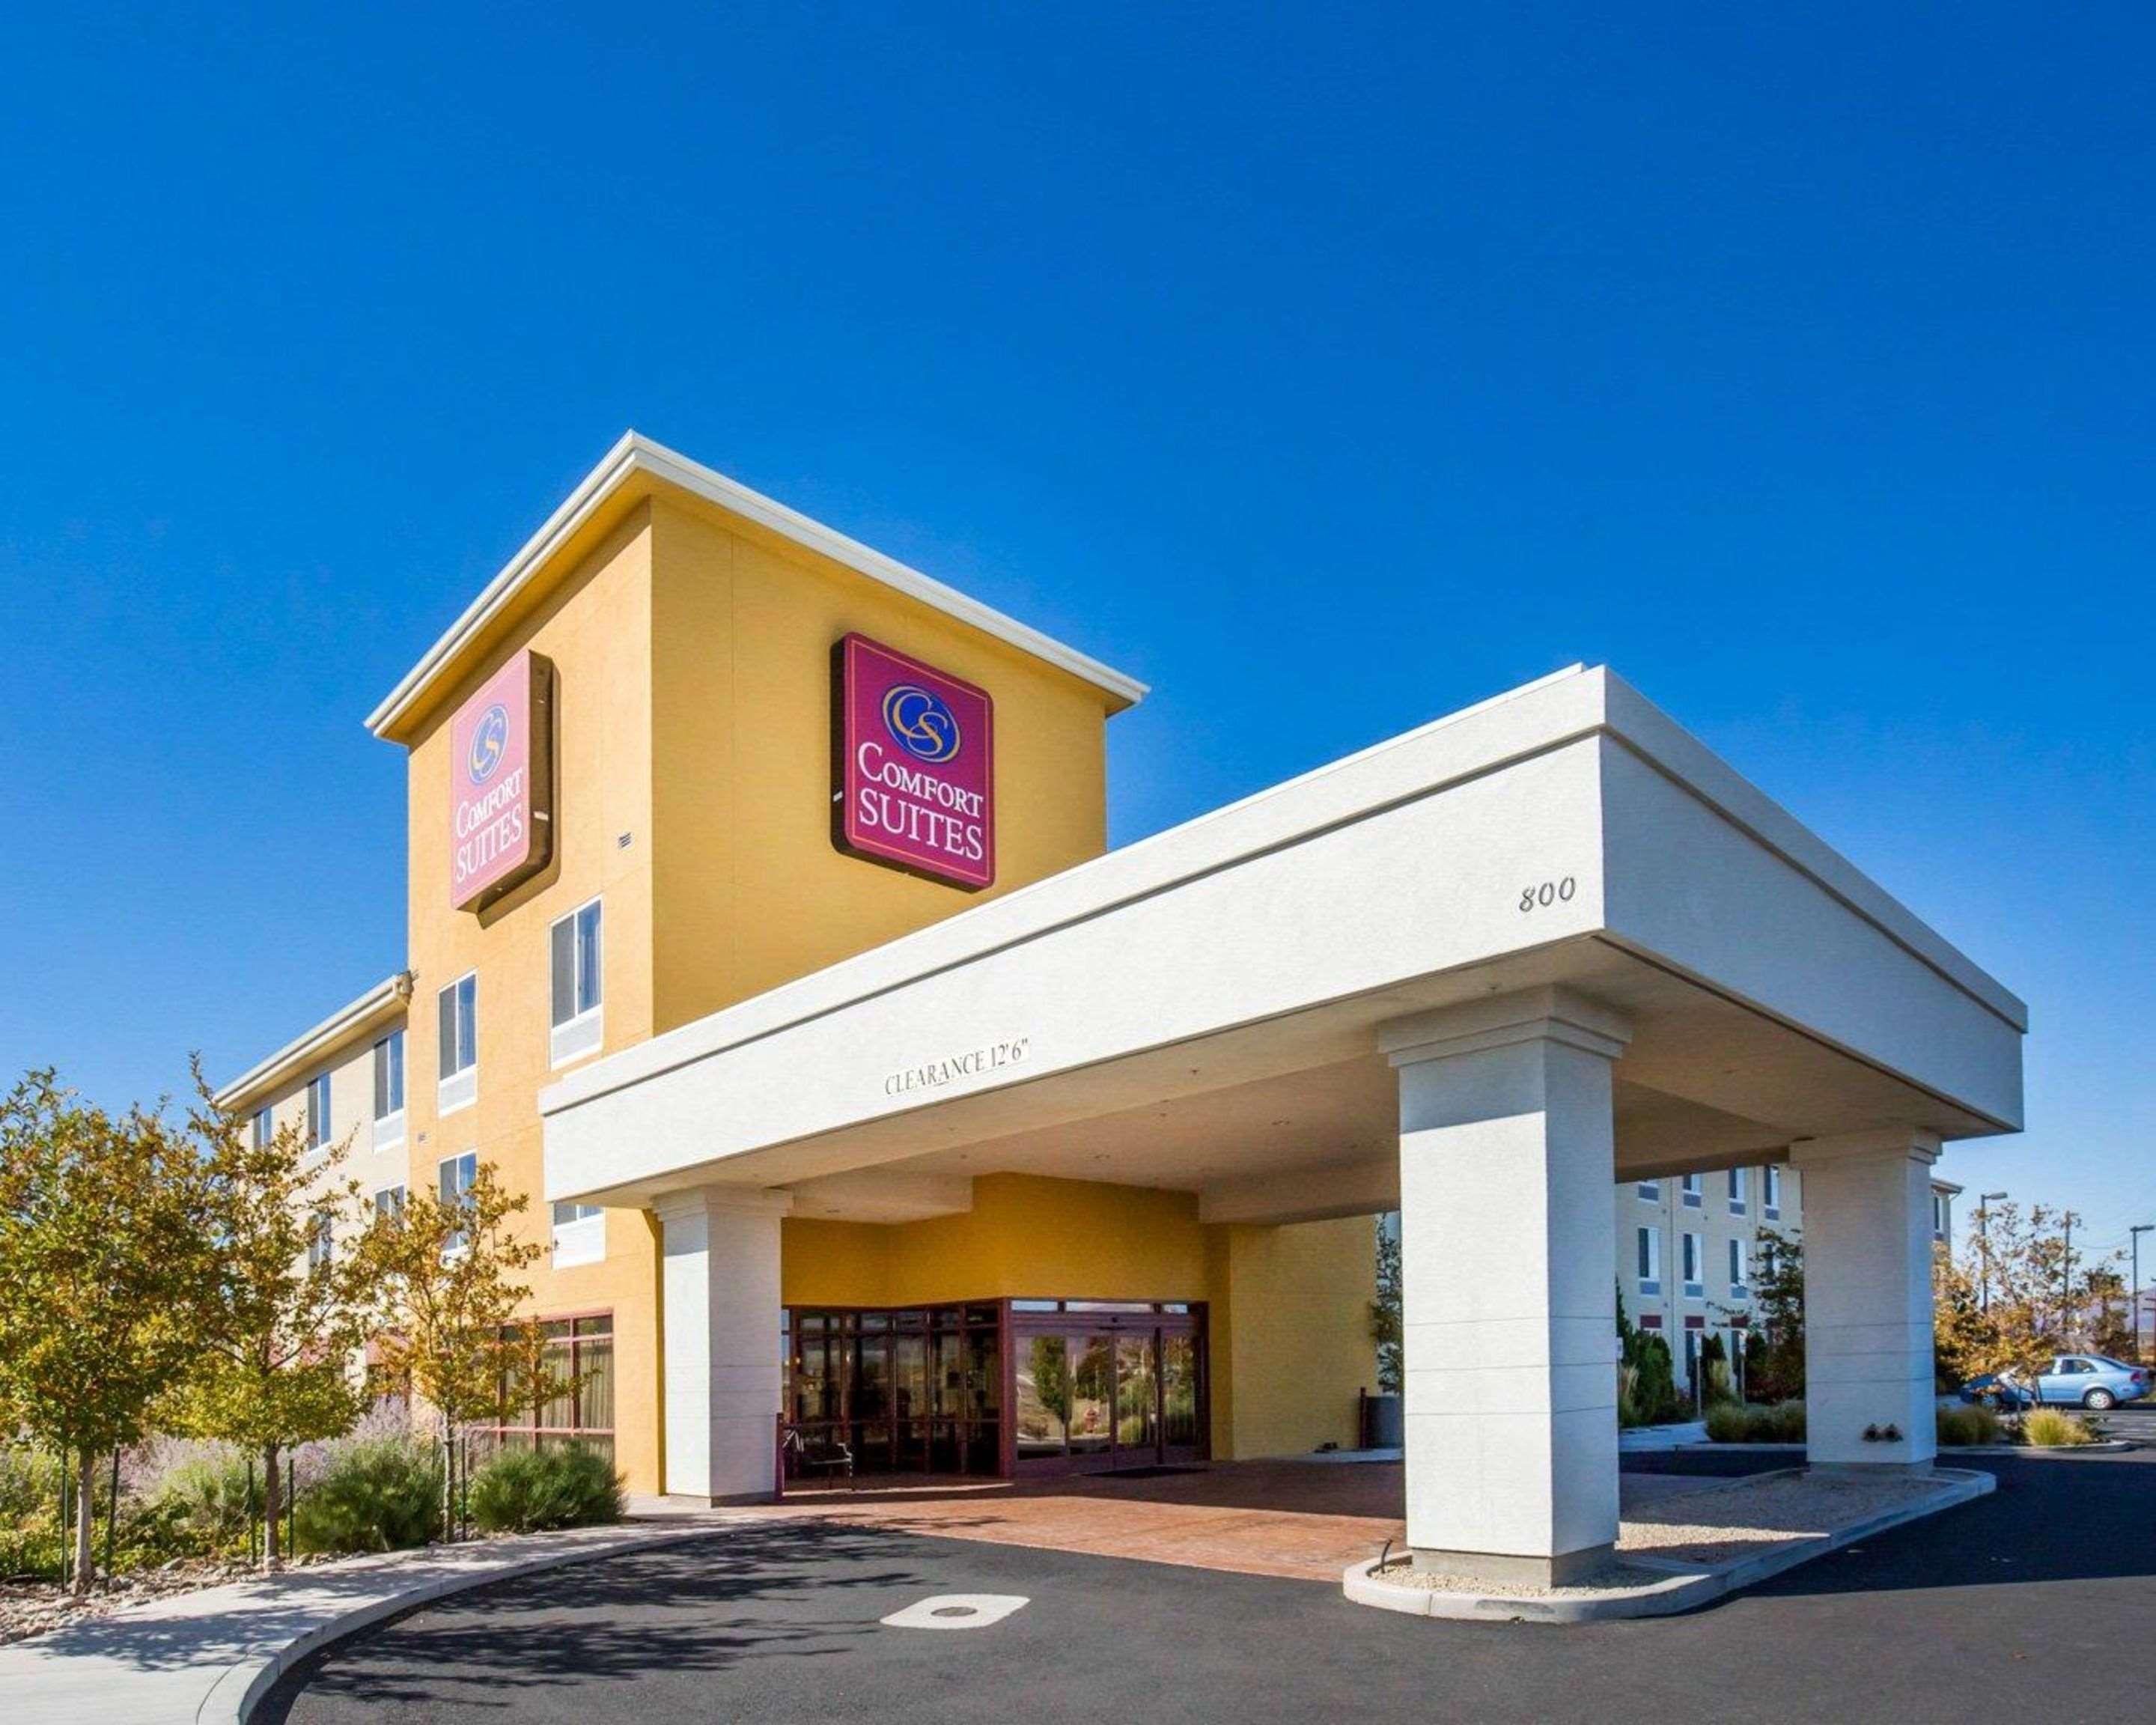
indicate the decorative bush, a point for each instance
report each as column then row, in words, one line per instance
column 1756, row 1423
column 526, row 1491
column 1970, row 1424
column 204, row 1499
column 2048, row 1428
column 1654, row 1399
column 383, row 1494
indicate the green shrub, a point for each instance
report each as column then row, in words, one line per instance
column 526, row 1491
column 383, row 1494
column 2049, row 1428
column 203, row 1501
column 1959, row 1427
column 1756, row 1423
column 1653, row 1397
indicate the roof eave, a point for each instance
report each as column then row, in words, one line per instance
column 634, row 455
column 372, row 1009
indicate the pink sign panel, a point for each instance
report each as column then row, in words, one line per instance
column 915, row 769
column 500, row 782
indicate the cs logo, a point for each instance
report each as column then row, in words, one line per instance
column 920, row 723
column 489, row 743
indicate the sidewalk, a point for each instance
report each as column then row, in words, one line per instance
column 204, row 1658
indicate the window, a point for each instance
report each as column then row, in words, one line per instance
column 1651, row 1260
column 1738, row 1278
column 1695, row 1266
column 389, row 1201
column 580, row 1357
column 1740, row 1186
column 574, row 945
column 457, row 1026
column 318, row 1111
column 1767, row 1260
column 322, row 1242
column 264, row 1129
column 389, row 1090
column 1692, row 1192
column 579, row 1235
column 1770, row 1195
column 1938, row 1215
column 456, row 1175
column 1650, row 1191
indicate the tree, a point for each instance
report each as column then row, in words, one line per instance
column 1776, row 1371
column 448, row 1270
column 275, row 1368
column 1385, row 1311
column 2015, row 1309
column 105, row 1280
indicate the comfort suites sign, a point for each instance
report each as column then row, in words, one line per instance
column 914, row 766
column 501, row 783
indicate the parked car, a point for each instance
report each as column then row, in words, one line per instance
column 2092, row 1380
column 1991, row 1390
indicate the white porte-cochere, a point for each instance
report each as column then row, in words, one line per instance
column 1477, row 973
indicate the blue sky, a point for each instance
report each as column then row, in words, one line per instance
column 1328, row 369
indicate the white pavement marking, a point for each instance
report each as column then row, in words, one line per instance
column 949, row 1611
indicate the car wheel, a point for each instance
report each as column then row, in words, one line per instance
column 2099, row 1400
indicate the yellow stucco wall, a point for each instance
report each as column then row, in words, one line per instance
column 595, row 626
column 1296, row 1339
column 750, row 889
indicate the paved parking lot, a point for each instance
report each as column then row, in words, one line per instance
column 2035, row 1599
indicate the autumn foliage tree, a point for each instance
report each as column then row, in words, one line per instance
column 106, row 1283
column 2007, row 1303
column 276, row 1366
column 449, row 1271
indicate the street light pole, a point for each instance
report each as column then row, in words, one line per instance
column 1984, row 1247
column 2133, row 1297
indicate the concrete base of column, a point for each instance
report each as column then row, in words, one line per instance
column 1499, row 1570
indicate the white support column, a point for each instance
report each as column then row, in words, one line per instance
column 1867, row 1240
column 1507, row 1157
column 720, row 1282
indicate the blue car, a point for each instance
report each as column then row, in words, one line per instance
column 2094, row 1381
column 2091, row 1380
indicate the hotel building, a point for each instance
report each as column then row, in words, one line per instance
column 762, row 927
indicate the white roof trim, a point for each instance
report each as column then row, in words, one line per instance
column 1552, row 711
column 381, row 1001
column 634, row 455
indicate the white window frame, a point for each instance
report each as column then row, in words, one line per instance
column 1651, row 1282
column 1649, row 1191
column 583, row 1031
column 457, row 1088
column 579, row 1231
column 1740, row 1269
column 389, row 1128
column 1693, row 1190
column 1770, row 1194
column 1740, row 1191
column 265, row 1126
column 1694, row 1266
column 321, row 1111
column 1939, row 1218
column 458, row 1241
column 395, row 1194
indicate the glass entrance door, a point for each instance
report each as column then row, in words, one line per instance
column 1106, row 1389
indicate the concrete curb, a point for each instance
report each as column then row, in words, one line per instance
column 2048, row 1452
column 1685, row 1587
column 242, row 1686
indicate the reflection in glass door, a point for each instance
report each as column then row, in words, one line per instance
column 1043, row 1396
column 1137, row 1400
column 1092, row 1393
column 1178, row 1396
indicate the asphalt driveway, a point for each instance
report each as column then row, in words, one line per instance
column 2038, row 1598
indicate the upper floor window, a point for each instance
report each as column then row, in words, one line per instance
column 1770, row 1191
column 389, row 1201
column 573, row 942
column 1739, row 1278
column 322, row 1242
column 1651, row 1191
column 1694, row 1194
column 264, row 1128
column 1651, row 1260
column 455, row 1176
column 1740, row 1190
column 389, row 1081
column 457, row 1026
column 579, row 1235
column 318, row 1111
column 1938, row 1215
column 1695, row 1266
